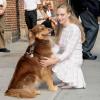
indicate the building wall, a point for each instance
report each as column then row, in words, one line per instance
column 23, row 27
column 11, row 27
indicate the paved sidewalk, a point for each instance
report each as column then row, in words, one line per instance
column 91, row 70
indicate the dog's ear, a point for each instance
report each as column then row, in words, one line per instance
column 31, row 34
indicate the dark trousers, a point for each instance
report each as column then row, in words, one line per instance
column 31, row 18
column 91, row 26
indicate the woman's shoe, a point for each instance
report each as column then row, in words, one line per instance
column 67, row 87
column 61, row 84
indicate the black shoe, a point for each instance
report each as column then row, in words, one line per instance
column 4, row 50
column 89, row 56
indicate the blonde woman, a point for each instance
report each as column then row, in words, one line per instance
column 68, row 60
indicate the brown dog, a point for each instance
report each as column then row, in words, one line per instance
column 28, row 70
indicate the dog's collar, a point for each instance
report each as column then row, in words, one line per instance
column 30, row 49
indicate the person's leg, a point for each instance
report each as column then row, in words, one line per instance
column 30, row 19
column 2, row 44
column 2, row 40
column 27, row 19
column 91, row 27
column 33, row 18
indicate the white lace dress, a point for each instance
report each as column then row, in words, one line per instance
column 69, row 69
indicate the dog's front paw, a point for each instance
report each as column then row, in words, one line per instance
column 54, row 88
column 37, row 92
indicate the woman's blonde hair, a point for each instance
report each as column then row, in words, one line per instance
column 72, row 19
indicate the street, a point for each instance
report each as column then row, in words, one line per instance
column 91, row 70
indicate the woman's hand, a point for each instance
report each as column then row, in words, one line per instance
column 48, row 61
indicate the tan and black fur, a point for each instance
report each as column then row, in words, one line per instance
column 28, row 71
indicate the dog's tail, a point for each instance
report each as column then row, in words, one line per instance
column 22, row 93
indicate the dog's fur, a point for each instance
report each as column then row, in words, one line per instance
column 28, row 70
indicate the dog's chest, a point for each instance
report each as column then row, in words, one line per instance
column 42, row 48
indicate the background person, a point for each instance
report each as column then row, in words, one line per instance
column 41, row 14
column 49, row 22
column 3, row 5
column 30, row 7
column 88, row 10
column 46, row 2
